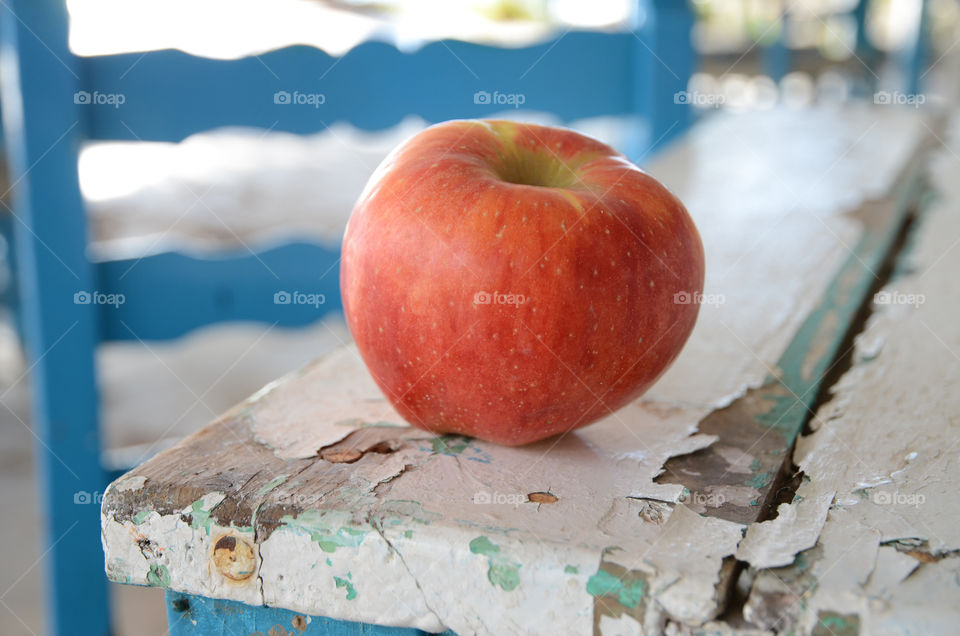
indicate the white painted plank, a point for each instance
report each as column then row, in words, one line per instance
column 887, row 445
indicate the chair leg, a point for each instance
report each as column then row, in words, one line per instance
column 915, row 57
column 864, row 49
column 60, row 329
column 664, row 61
column 9, row 297
column 776, row 55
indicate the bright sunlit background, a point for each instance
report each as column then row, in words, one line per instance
column 730, row 36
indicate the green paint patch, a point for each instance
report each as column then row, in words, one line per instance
column 200, row 516
column 329, row 562
column 344, row 583
column 605, row 584
column 273, row 484
column 397, row 509
column 408, row 534
column 344, row 538
column 800, row 561
column 382, row 423
column 759, row 480
column 449, row 444
column 754, row 502
column 502, row 572
column 571, row 569
column 141, row 516
column 833, row 624
column 311, row 522
column 158, row 576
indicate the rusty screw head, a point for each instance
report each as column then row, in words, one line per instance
column 342, row 455
column 542, row 497
column 234, row 558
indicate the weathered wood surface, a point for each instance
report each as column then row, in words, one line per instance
column 870, row 542
column 313, row 496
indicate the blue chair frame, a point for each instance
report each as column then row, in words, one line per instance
column 49, row 104
column 776, row 55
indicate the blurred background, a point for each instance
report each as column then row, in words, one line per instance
column 241, row 190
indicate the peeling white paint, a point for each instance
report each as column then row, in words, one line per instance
column 774, row 543
column 623, row 625
column 130, row 483
column 165, row 550
column 687, row 557
column 296, row 420
column 886, row 444
column 762, row 213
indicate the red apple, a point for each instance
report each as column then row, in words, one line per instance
column 511, row 282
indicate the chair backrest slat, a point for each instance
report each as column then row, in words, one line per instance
column 168, row 95
column 167, row 295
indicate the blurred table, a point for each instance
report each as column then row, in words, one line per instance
column 314, row 499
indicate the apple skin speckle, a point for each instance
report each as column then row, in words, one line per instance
column 448, row 298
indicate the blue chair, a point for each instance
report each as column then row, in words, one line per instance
column 910, row 60
column 53, row 100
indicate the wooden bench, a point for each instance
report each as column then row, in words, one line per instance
column 313, row 507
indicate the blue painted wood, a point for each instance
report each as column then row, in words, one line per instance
column 664, row 60
column 916, row 54
column 863, row 43
column 776, row 55
column 168, row 95
column 166, row 295
column 868, row 54
column 41, row 134
column 189, row 615
column 10, row 294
